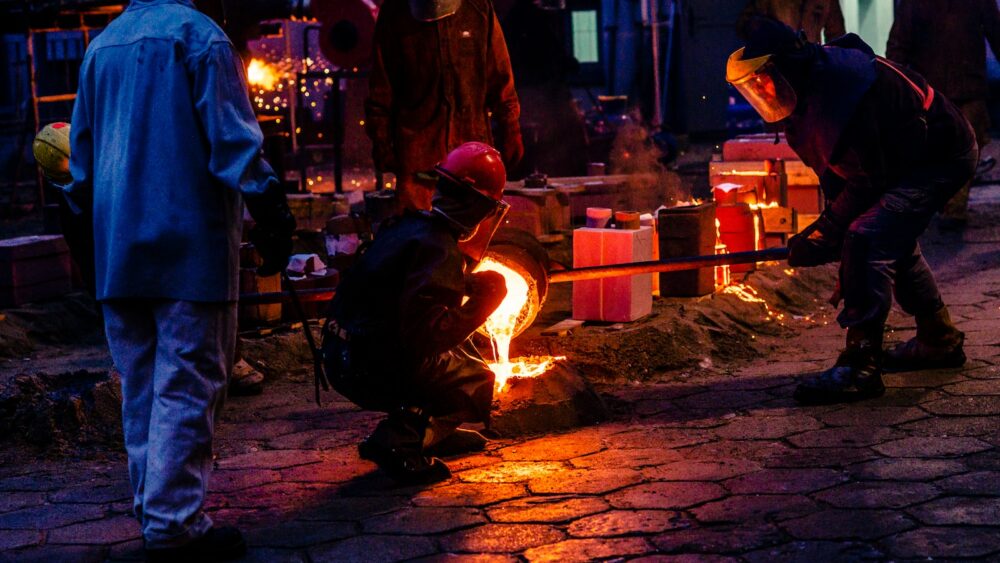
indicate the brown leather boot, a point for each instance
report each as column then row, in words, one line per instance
column 396, row 446
column 857, row 374
column 937, row 345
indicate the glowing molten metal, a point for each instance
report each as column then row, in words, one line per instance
column 500, row 327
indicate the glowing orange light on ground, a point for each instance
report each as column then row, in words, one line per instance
column 500, row 326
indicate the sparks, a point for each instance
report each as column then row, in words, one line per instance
column 748, row 294
column 262, row 75
column 500, row 327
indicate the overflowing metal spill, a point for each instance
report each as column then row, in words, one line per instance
column 514, row 314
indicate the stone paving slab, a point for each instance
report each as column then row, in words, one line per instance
column 701, row 465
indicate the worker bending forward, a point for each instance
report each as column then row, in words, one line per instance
column 889, row 151
column 397, row 338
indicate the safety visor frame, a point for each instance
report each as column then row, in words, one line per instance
column 760, row 82
column 474, row 244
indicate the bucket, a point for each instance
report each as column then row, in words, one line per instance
column 627, row 220
column 598, row 217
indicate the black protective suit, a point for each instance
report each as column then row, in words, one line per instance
column 399, row 333
column 886, row 164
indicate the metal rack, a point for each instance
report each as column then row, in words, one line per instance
column 80, row 21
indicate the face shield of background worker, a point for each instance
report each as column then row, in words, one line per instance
column 434, row 85
column 165, row 147
column 889, row 152
column 943, row 40
column 398, row 337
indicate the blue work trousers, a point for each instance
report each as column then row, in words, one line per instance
column 175, row 358
column 881, row 253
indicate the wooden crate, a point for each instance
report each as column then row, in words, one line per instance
column 34, row 268
column 250, row 282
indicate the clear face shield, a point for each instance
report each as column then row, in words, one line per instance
column 763, row 86
column 433, row 10
column 475, row 244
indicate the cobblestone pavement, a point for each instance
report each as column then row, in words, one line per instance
column 716, row 466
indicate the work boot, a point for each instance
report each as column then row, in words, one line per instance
column 937, row 345
column 857, row 375
column 218, row 544
column 396, row 446
column 459, row 442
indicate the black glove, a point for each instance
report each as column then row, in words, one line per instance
column 511, row 145
column 485, row 289
column 275, row 225
column 818, row 244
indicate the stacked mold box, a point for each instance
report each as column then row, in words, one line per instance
column 33, row 268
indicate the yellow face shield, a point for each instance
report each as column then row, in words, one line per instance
column 763, row 85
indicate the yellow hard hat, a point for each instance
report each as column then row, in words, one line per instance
column 51, row 150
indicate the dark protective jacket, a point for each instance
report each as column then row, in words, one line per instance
column 944, row 40
column 862, row 127
column 811, row 16
column 403, row 331
column 406, row 291
column 433, row 86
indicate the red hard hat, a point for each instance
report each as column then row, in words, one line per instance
column 477, row 165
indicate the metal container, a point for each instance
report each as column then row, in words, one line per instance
column 687, row 231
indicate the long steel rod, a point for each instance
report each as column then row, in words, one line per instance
column 575, row 274
column 667, row 265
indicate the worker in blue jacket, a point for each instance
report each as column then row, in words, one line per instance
column 165, row 150
column 890, row 151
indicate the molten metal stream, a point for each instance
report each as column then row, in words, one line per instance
column 500, row 326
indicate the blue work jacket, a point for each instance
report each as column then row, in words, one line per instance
column 163, row 142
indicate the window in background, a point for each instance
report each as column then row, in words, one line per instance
column 585, row 36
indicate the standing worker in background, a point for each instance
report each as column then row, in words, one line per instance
column 440, row 69
column 889, row 151
column 944, row 40
column 164, row 142
column 821, row 20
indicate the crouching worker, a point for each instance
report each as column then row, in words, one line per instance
column 397, row 337
column 890, row 151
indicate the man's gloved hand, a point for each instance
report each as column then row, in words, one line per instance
column 272, row 235
column 820, row 243
column 486, row 287
column 511, row 146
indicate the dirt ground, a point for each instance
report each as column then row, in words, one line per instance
column 705, row 456
column 60, row 397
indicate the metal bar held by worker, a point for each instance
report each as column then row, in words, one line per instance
column 667, row 265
